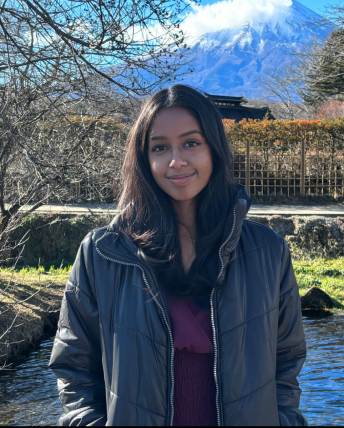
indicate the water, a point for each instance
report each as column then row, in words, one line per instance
column 28, row 394
column 322, row 377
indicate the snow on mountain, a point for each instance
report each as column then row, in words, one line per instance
column 229, row 61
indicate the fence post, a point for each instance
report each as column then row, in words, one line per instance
column 303, row 168
column 247, row 171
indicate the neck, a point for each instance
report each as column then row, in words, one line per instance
column 186, row 214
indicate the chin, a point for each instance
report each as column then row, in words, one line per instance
column 185, row 198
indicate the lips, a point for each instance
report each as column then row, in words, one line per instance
column 181, row 179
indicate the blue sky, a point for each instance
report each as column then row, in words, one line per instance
column 316, row 5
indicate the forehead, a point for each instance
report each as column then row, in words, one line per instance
column 173, row 121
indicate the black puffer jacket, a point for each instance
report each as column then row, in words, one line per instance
column 113, row 352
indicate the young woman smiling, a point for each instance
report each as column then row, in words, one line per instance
column 180, row 312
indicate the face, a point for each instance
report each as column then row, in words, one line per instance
column 179, row 156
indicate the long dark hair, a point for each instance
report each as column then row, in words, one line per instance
column 147, row 216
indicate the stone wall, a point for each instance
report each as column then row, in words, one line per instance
column 56, row 238
column 315, row 235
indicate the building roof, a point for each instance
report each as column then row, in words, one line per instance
column 225, row 98
column 233, row 108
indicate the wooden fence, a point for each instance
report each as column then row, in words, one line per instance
column 272, row 158
column 316, row 169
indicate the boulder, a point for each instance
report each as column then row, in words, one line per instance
column 315, row 298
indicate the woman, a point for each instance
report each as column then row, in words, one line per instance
column 180, row 312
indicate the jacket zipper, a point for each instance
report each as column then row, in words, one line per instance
column 213, row 324
column 164, row 317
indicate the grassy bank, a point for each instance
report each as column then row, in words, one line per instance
column 37, row 314
column 30, row 300
column 53, row 239
column 327, row 274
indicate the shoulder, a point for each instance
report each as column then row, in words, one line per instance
column 91, row 238
column 266, row 244
column 256, row 236
column 262, row 232
column 87, row 248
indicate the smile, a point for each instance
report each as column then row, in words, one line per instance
column 180, row 180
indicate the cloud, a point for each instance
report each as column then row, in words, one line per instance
column 235, row 13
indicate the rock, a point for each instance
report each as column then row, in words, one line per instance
column 316, row 313
column 315, row 298
column 291, row 238
column 260, row 219
column 318, row 236
column 321, row 235
column 282, row 225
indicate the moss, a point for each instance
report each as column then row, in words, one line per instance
column 54, row 239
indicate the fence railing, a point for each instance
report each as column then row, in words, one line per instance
column 305, row 170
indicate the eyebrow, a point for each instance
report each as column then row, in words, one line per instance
column 180, row 136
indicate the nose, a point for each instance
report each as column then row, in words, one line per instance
column 177, row 161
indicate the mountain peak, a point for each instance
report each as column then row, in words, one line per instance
column 229, row 61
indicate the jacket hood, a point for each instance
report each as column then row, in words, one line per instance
column 238, row 209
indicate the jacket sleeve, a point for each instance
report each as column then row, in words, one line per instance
column 291, row 346
column 76, row 356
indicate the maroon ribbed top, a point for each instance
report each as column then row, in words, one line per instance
column 195, row 392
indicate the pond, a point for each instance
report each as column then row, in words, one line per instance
column 28, row 394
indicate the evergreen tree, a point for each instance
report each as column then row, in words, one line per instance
column 327, row 79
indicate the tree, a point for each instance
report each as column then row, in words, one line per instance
column 297, row 84
column 331, row 109
column 65, row 68
column 46, row 150
column 282, row 91
column 315, row 72
column 58, row 59
column 123, row 41
column 327, row 79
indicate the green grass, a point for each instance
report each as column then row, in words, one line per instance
column 31, row 279
column 37, row 271
column 327, row 274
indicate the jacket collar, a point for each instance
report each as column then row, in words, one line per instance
column 227, row 248
column 117, row 245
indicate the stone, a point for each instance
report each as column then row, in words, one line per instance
column 291, row 238
column 318, row 236
column 315, row 298
column 259, row 219
column 316, row 313
column 282, row 225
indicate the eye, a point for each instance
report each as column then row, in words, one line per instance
column 159, row 148
column 192, row 143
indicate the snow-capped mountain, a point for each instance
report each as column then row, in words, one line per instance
column 229, row 61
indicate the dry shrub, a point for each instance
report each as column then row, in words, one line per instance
column 332, row 109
